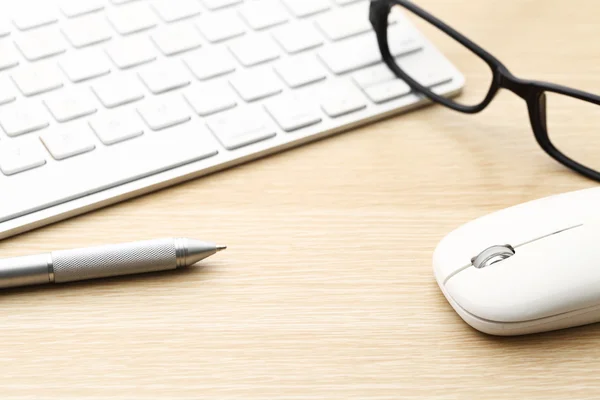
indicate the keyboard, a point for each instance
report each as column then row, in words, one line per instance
column 101, row 101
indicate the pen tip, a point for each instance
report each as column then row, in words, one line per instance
column 221, row 248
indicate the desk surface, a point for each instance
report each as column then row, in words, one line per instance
column 326, row 290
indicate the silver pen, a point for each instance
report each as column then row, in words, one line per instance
column 104, row 261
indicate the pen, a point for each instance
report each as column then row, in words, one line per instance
column 104, row 261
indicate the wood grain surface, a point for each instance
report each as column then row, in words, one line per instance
column 326, row 290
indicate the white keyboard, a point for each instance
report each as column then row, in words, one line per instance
column 103, row 100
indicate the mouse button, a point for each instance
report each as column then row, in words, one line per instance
column 551, row 276
column 455, row 251
column 514, row 226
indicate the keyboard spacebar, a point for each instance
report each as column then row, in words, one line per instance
column 101, row 169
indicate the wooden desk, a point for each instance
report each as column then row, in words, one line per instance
column 326, row 290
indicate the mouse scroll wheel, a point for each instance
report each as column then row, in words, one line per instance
column 492, row 255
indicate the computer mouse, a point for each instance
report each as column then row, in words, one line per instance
column 529, row 268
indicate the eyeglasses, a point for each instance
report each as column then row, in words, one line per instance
column 551, row 107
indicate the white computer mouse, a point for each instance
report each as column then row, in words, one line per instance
column 530, row 268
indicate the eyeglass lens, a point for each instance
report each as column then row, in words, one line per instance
column 427, row 67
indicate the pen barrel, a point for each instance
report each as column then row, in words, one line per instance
column 115, row 260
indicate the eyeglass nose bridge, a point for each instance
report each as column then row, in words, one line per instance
column 520, row 87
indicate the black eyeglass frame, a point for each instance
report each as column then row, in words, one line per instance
column 533, row 92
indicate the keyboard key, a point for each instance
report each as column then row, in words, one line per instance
column 169, row 10
column 298, row 37
column 256, row 84
column 341, row 98
column 344, row 2
column 210, row 98
column 105, row 169
column 70, row 103
column 22, row 117
column 428, row 70
column 33, row 14
column 87, row 30
column 373, row 75
column 254, row 50
column 85, row 64
column 69, row 141
column 132, row 18
column 174, row 39
column 117, row 126
column 351, row 54
column 380, row 84
column 210, row 63
column 362, row 51
column 8, row 54
column 216, row 4
column 241, row 127
column 41, row 43
column 37, row 78
column 345, row 22
column 292, row 112
column 20, row 156
column 301, row 70
column 165, row 76
column 75, row 8
column 221, row 26
column 7, row 91
column 130, row 52
column 263, row 14
column 386, row 91
column 117, row 90
column 304, row 8
column 4, row 27
column 160, row 113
